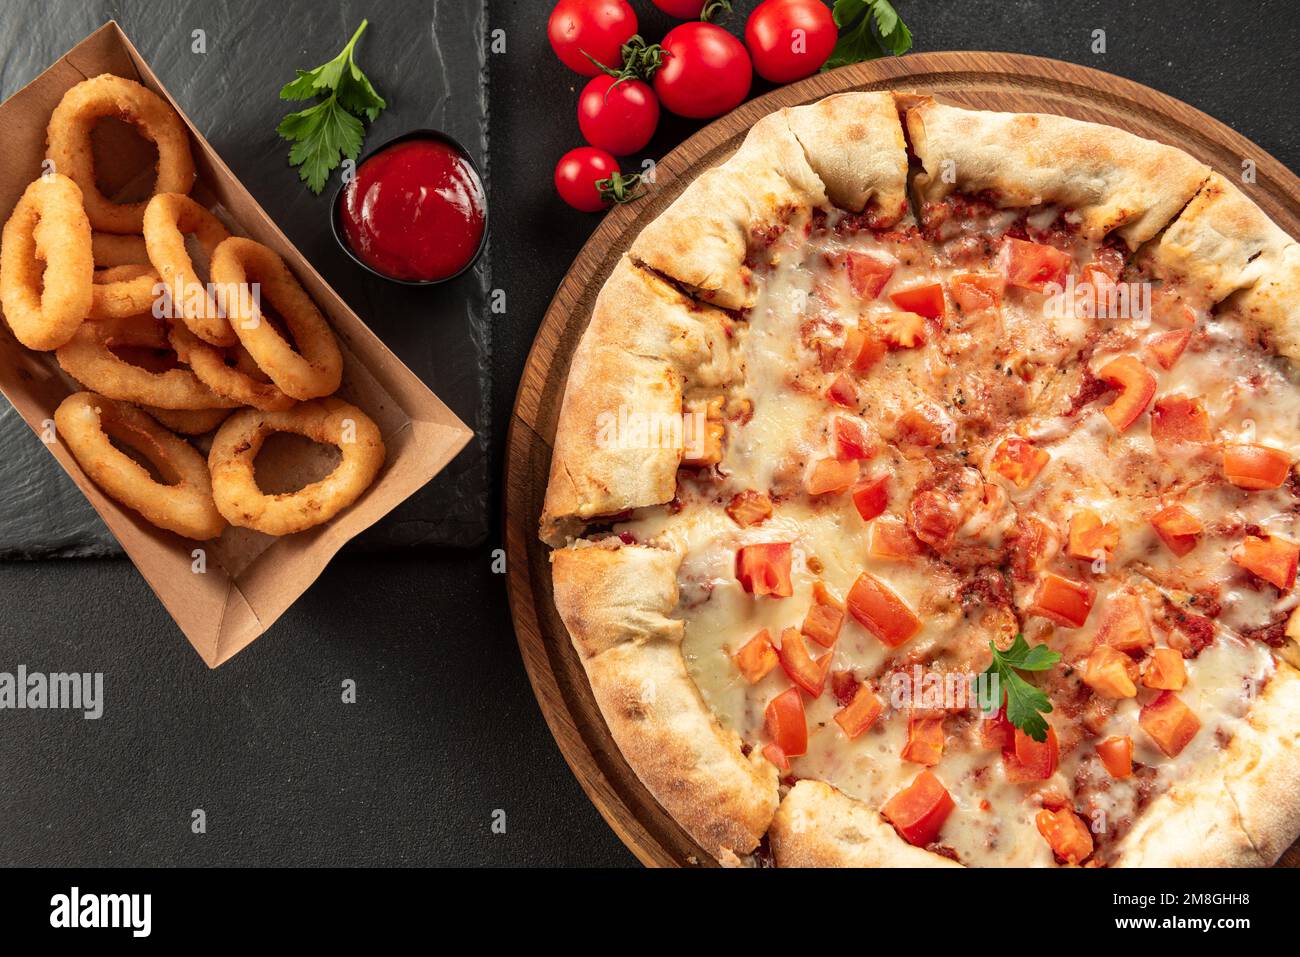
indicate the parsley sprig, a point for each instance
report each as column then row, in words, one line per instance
column 1026, row 704
column 868, row 29
column 325, row 133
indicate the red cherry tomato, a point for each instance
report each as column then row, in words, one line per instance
column 705, row 72
column 576, row 176
column 681, row 9
column 790, row 39
column 596, row 27
column 618, row 117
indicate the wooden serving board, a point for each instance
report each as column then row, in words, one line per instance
column 995, row 81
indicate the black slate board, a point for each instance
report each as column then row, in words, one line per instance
column 426, row 57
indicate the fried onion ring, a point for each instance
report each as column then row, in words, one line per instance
column 89, row 358
column 228, row 372
column 167, row 219
column 45, row 304
column 328, row 421
column 121, row 291
column 69, row 142
column 88, row 423
column 312, row 370
column 189, row 421
column 111, row 249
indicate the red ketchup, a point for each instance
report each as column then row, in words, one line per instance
column 415, row 211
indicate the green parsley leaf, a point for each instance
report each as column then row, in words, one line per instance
column 1026, row 704
column 322, row 135
column 870, row 29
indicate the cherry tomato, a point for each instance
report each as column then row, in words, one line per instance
column 618, row 116
column 705, row 72
column 577, row 173
column 596, row 27
column 681, row 9
column 790, row 39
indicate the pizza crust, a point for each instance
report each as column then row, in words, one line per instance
column 1244, row 810
column 1273, row 304
column 1220, row 243
column 615, row 603
column 1115, row 181
column 702, row 240
column 854, row 142
column 820, row 826
column 645, row 345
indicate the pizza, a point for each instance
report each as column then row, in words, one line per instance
column 923, row 494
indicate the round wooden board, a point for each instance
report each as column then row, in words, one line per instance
column 995, row 81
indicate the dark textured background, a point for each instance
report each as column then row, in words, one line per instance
column 446, row 729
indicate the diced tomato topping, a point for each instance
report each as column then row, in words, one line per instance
column 778, row 757
column 901, row 330
column 765, row 569
column 1272, row 559
column 1255, row 467
column 1018, row 460
column 871, row 496
column 1165, row 670
column 852, row 439
column 973, row 291
column 867, row 274
column 1110, row 673
column 1167, row 347
column 862, row 348
column 1090, row 537
column 1116, row 755
column 924, row 300
column 924, row 741
column 919, row 810
column 1066, row 833
column 1034, row 546
column 1034, row 265
column 860, row 713
column 830, row 475
column 843, row 392
column 933, row 518
column 785, row 723
column 891, row 541
column 1178, row 528
column 1136, row 386
column 879, row 610
column 1177, row 418
column 1030, row 760
column 1124, row 626
column 997, row 733
column 1169, row 722
column 1063, row 600
column 749, row 508
column 924, row 425
column 825, row 615
column 807, row 673
column 1101, row 285
column 757, row 658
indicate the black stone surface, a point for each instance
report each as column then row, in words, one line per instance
column 425, row 57
column 446, row 730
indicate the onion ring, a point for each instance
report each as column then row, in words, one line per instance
column 240, row 438
column 87, row 423
column 315, row 369
column 240, row 381
column 189, row 421
column 69, row 147
column 88, row 357
column 122, row 291
column 45, row 304
column 167, row 218
column 111, row 249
